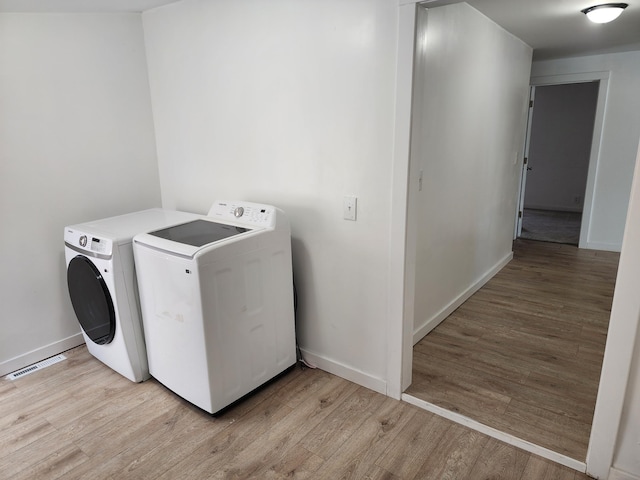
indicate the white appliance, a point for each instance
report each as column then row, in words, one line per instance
column 217, row 302
column 103, row 288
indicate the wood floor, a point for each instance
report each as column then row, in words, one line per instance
column 80, row 420
column 524, row 353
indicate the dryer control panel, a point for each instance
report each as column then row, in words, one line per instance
column 85, row 243
column 245, row 213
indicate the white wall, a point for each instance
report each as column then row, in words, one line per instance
column 616, row 424
column 470, row 101
column 619, row 138
column 291, row 105
column 627, row 454
column 76, row 144
column 560, row 146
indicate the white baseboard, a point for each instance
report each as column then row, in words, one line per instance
column 615, row 474
column 497, row 434
column 34, row 356
column 434, row 321
column 344, row 371
column 556, row 208
column 608, row 247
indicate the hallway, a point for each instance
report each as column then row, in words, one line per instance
column 523, row 355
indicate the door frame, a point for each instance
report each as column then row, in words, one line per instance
column 525, row 164
column 596, row 140
column 402, row 238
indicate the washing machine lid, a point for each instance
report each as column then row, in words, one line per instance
column 199, row 232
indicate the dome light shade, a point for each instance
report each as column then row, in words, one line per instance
column 604, row 13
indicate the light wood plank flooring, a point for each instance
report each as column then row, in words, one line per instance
column 80, row 420
column 524, row 353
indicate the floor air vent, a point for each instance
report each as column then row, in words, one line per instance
column 35, row 367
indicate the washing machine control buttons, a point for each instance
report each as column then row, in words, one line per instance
column 238, row 212
column 83, row 241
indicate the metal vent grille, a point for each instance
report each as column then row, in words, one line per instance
column 35, row 367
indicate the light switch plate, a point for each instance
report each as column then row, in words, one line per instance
column 349, row 207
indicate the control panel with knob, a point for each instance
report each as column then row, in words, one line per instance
column 245, row 213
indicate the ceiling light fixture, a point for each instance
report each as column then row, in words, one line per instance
column 604, row 13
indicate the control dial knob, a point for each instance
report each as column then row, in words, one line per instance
column 238, row 212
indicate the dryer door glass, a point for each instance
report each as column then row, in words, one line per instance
column 91, row 300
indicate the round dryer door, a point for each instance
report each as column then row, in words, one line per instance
column 91, row 300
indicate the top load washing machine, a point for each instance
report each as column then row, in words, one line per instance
column 103, row 289
column 217, row 302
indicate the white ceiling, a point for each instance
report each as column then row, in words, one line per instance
column 80, row 6
column 558, row 28
column 554, row 28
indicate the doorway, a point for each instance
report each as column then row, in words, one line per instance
column 554, row 179
column 554, row 176
column 427, row 180
column 402, row 268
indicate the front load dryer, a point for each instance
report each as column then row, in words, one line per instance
column 103, row 288
column 217, row 302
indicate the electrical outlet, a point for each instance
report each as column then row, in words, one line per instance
column 349, row 207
